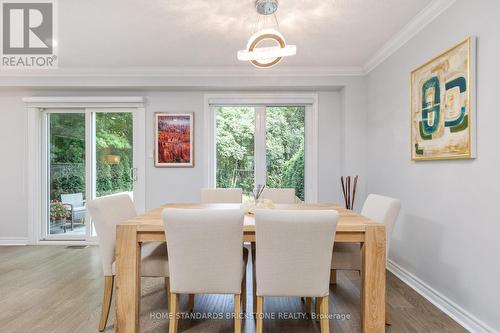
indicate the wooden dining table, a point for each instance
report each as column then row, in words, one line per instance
column 351, row 228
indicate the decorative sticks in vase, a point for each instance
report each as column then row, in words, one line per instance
column 349, row 194
column 258, row 191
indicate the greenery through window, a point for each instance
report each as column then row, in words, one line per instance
column 285, row 148
column 235, row 147
column 114, row 135
column 67, row 153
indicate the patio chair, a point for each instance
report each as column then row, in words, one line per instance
column 76, row 206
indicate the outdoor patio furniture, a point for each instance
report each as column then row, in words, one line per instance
column 76, row 207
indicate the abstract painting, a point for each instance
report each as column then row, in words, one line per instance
column 174, row 144
column 442, row 105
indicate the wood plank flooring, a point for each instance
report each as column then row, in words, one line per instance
column 58, row 289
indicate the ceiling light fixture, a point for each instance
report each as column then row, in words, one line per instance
column 266, row 56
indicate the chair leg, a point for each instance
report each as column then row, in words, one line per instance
column 388, row 320
column 237, row 313
column 308, row 307
column 244, row 293
column 324, row 318
column 106, row 301
column 259, row 314
column 174, row 310
column 317, row 308
column 190, row 305
column 254, row 278
column 333, row 276
column 167, row 289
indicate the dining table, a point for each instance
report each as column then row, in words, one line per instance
column 351, row 228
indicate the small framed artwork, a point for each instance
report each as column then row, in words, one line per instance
column 174, row 139
column 443, row 118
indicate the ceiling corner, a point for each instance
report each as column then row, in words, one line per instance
column 418, row 23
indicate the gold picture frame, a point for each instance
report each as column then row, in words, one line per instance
column 442, row 103
column 174, row 140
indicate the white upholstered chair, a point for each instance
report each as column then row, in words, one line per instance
column 107, row 212
column 221, row 195
column 205, row 249
column 279, row 195
column 293, row 256
column 347, row 256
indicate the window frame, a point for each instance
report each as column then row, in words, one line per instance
column 260, row 102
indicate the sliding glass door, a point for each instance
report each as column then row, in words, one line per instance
column 88, row 153
column 260, row 145
column 66, row 174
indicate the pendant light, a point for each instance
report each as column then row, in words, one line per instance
column 266, row 56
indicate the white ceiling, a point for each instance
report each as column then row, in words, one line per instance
column 174, row 33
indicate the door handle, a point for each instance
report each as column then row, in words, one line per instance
column 133, row 174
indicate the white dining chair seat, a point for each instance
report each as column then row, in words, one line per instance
column 346, row 256
column 153, row 260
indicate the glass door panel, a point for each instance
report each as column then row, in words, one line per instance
column 114, row 153
column 235, row 142
column 285, row 148
column 66, row 174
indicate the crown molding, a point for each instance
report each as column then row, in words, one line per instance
column 172, row 76
column 284, row 71
column 418, row 23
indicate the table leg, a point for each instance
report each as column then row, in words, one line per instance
column 373, row 280
column 128, row 279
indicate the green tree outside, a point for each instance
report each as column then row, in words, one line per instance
column 67, row 153
column 284, row 147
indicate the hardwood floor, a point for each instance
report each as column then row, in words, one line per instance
column 59, row 289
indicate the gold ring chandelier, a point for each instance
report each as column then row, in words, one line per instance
column 266, row 56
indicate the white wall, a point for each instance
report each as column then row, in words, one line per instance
column 13, row 143
column 448, row 231
column 171, row 184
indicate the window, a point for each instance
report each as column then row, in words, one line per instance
column 271, row 144
column 285, row 148
column 235, row 148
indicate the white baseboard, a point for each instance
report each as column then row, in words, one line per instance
column 11, row 241
column 66, row 242
column 455, row 311
column 17, row 241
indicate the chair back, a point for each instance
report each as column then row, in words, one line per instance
column 384, row 210
column 74, row 199
column 221, row 195
column 279, row 195
column 294, row 251
column 205, row 250
column 107, row 212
